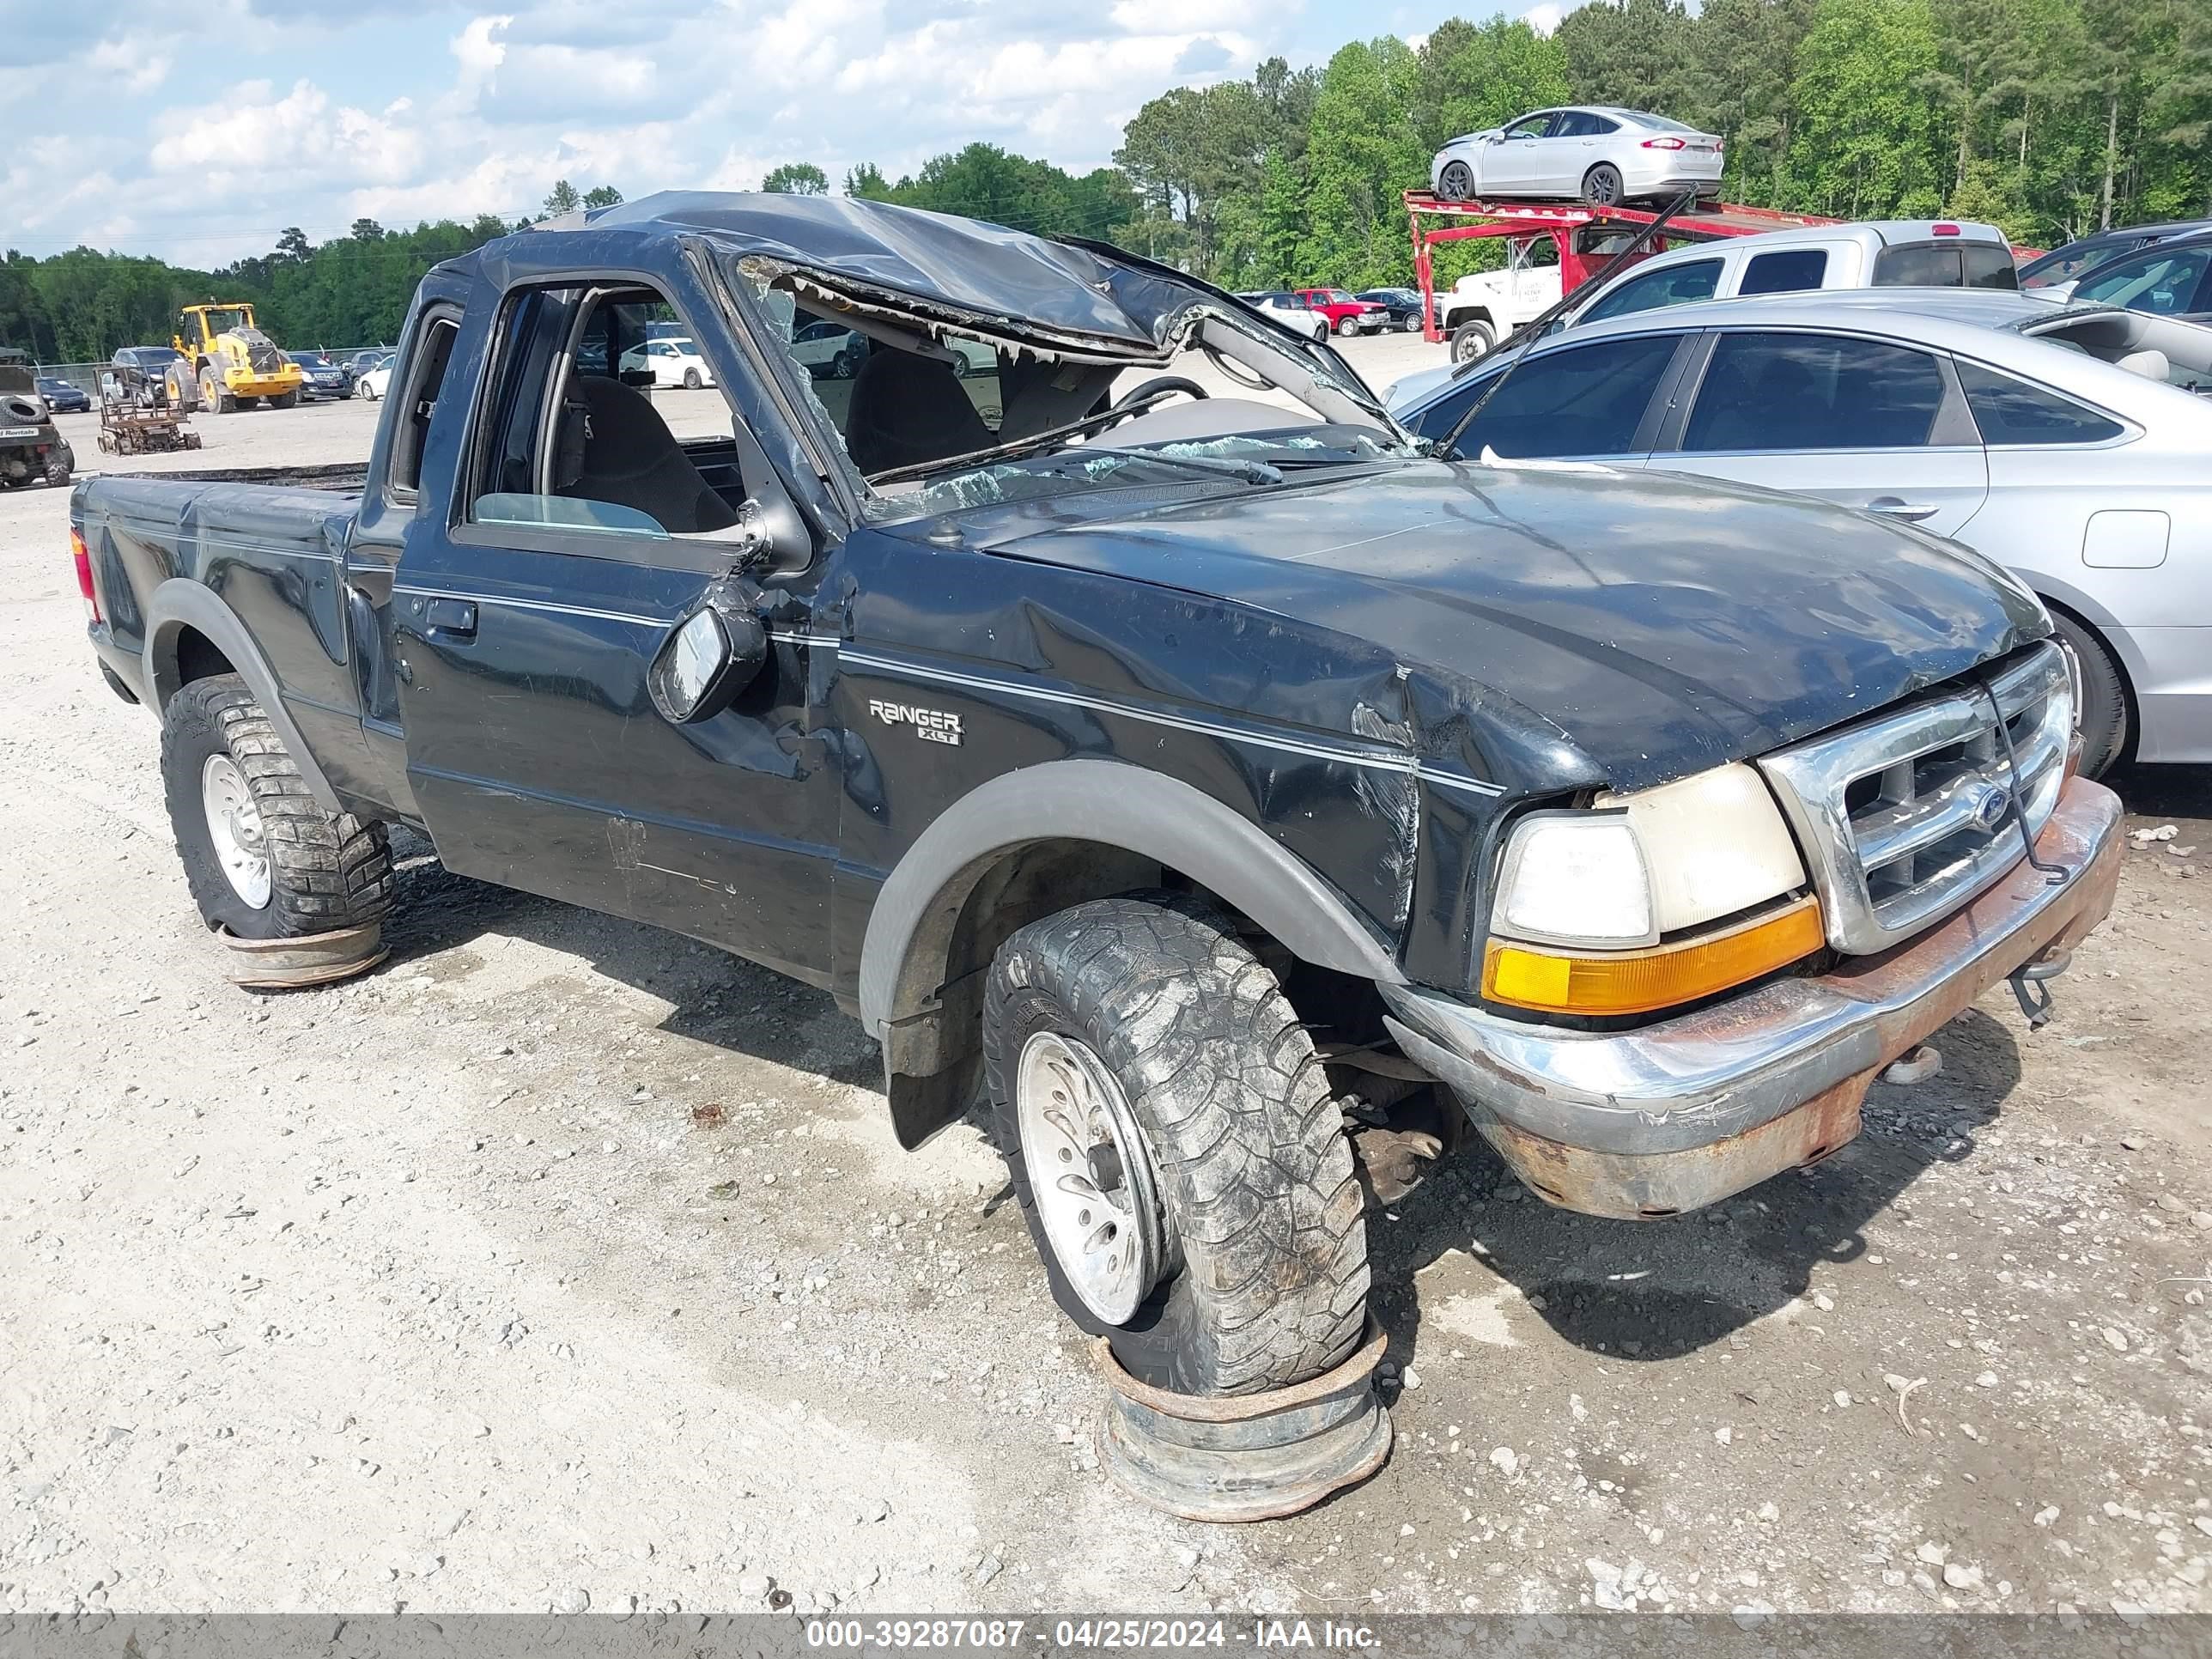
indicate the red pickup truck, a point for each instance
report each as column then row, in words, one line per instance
column 1346, row 314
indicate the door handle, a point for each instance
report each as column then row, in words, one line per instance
column 1896, row 508
column 455, row 618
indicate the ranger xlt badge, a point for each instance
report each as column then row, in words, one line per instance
column 931, row 725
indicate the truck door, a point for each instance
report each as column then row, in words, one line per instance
column 588, row 516
column 1863, row 422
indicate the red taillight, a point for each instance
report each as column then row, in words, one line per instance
column 81, row 556
column 1665, row 144
column 1946, row 230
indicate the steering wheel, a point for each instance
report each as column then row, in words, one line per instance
column 1154, row 389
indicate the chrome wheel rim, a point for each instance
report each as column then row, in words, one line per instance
column 1090, row 1175
column 234, row 822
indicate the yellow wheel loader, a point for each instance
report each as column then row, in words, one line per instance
column 232, row 362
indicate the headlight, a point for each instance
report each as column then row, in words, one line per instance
column 1576, row 878
column 1649, row 900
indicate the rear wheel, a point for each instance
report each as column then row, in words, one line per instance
column 1457, row 182
column 1601, row 185
column 1472, row 339
column 1175, row 1145
column 2103, row 716
column 262, row 857
column 283, row 399
column 60, row 463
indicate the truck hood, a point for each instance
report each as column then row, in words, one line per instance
column 1561, row 628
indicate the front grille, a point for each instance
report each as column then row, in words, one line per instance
column 1904, row 816
column 263, row 359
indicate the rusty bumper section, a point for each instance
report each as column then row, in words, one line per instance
column 1650, row 1122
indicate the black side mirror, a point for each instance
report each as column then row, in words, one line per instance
column 710, row 656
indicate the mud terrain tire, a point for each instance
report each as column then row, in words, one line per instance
column 1265, row 1274
column 324, row 872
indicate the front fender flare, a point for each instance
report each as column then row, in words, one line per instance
column 1133, row 811
column 180, row 603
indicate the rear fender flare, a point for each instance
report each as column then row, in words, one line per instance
column 1116, row 806
column 180, row 603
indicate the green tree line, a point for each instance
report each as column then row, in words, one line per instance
column 79, row 307
column 2048, row 117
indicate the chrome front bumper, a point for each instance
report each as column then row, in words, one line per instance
column 1652, row 1121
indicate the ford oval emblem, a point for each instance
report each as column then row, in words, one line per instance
column 1990, row 805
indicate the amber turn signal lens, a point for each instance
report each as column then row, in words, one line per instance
column 1663, row 976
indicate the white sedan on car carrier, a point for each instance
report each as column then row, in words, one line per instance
column 673, row 361
column 1606, row 157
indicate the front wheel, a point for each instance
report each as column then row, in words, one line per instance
column 368, row 392
column 1456, row 182
column 691, row 382
column 262, row 857
column 60, row 464
column 2103, row 717
column 1470, row 340
column 1175, row 1146
column 215, row 396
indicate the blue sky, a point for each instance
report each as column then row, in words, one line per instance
column 199, row 131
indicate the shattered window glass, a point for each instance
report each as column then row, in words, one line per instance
column 897, row 394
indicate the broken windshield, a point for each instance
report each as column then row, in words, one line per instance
column 914, row 390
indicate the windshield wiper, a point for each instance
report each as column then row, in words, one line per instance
column 1046, row 440
column 1227, row 466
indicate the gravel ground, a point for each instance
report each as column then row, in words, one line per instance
column 561, row 1263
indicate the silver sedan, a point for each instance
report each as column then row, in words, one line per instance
column 2072, row 445
column 1602, row 155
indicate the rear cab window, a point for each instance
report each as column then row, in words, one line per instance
column 1948, row 264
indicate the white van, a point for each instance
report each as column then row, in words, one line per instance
column 1484, row 309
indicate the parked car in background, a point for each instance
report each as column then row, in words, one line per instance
column 325, row 380
column 2059, row 268
column 828, row 351
column 1346, row 314
column 62, row 397
column 1484, row 308
column 362, row 362
column 2048, row 438
column 1602, row 156
column 2172, row 278
column 672, row 361
column 1401, row 306
column 133, row 367
column 1283, row 306
column 376, row 380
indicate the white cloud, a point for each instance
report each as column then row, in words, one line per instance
column 1544, row 18
column 135, row 65
column 407, row 112
column 254, row 130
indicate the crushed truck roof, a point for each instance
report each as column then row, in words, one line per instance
column 1056, row 297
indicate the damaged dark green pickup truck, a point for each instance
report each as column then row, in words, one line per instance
column 1208, row 781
